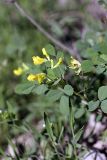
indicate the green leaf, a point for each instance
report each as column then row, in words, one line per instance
column 11, row 108
column 24, row 88
column 79, row 113
column 93, row 105
column 60, row 54
column 87, row 66
column 89, row 53
column 96, row 60
column 54, row 95
column 57, row 72
column 62, row 69
column 48, row 127
column 71, row 116
column 104, row 106
column 100, row 69
column 50, row 50
column 78, row 136
column 104, row 57
column 64, row 105
column 51, row 75
column 103, row 47
column 69, row 150
column 102, row 93
column 41, row 89
column 68, row 90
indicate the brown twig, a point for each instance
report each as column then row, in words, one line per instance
column 43, row 31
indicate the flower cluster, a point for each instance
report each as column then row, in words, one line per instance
column 40, row 77
column 37, row 77
column 75, row 65
column 38, row 61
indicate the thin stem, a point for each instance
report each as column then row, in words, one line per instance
column 79, row 95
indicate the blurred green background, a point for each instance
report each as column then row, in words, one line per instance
column 19, row 41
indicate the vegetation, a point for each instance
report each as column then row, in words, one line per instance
column 53, row 78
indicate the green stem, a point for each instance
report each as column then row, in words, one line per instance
column 79, row 95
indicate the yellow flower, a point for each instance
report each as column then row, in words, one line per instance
column 37, row 60
column 57, row 64
column 45, row 54
column 37, row 77
column 18, row 71
column 76, row 65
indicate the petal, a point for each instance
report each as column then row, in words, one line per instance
column 18, row 71
column 37, row 77
column 38, row 60
column 32, row 77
